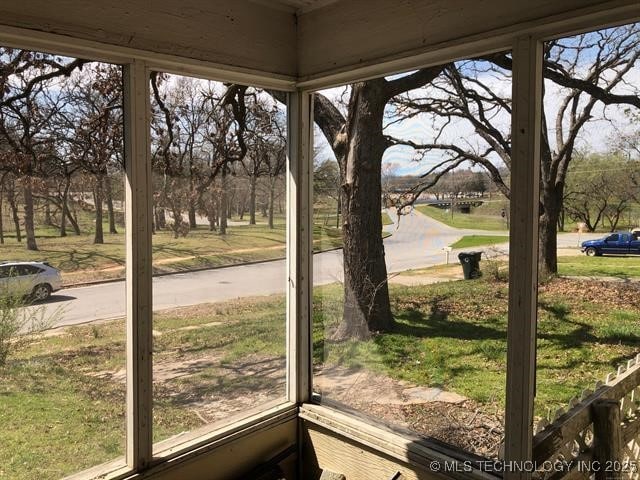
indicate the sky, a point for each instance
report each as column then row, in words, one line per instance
column 598, row 135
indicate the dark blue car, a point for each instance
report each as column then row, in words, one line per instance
column 619, row 243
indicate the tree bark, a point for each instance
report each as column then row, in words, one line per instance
column 252, row 200
column 161, row 219
column 111, row 212
column 192, row 217
column 561, row 220
column 63, row 213
column 1, row 213
column 47, row 213
column 366, row 295
column 222, row 210
column 73, row 220
column 13, row 205
column 29, row 226
column 176, row 213
column 97, row 197
column 358, row 143
column 66, row 212
column 551, row 205
column 212, row 216
column 272, row 196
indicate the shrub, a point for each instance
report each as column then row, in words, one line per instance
column 21, row 323
column 495, row 265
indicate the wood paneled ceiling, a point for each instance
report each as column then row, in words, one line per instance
column 298, row 6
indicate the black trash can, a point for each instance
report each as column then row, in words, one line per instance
column 470, row 262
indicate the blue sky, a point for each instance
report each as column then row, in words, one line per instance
column 597, row 135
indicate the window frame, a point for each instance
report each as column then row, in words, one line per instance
column 136, row 67
column 524, row 39
column 526, row 47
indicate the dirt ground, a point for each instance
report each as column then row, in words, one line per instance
column 432, row 412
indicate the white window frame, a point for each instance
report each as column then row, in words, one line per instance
column 525, row 45
column 137, row 65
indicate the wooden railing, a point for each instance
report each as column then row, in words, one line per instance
column 598, row 436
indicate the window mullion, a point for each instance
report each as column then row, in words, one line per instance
column 299, row 246
column 523, row 251
column 139, row 267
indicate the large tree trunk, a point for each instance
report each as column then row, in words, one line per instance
column 97, row 197
column 272, row 196
column 64, row 213
column 252, row 199
column 73, row 220
column 29, row 226
column 47, row 213
column 13, row 205
column 161, row 218
column 193, row 200
column 1, row 215
column 561, row 219
column 63, row 216
column 192, row 217
column 551, row 205
column 178, row 224
column 212, row 216
column 112, row 216
column 223, row 208
column 366, row 295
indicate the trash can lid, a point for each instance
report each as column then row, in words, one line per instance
column 477, row 255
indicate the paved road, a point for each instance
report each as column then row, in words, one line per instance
column 416, row 242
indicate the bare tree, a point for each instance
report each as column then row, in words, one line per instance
column 358, row 143
column 27, row 106
column 95, row 133
column 326, row 184
column 176, row 154
column 268, row 149
column 587, row 71
column 601, row 187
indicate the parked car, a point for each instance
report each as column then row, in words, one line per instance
column 36, row 280
column 619, row 243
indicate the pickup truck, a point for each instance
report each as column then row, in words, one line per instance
column 619, row 243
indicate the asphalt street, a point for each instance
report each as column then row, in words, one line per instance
column 416, row 241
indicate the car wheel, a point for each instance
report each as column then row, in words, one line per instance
column 41, row 292
column 591, row 252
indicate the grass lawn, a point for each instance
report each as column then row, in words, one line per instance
column 81, row 260
column 434, row 270
column 62, row 399
column 607, row 266
column 463, row 220
column 479, row 240
column 453, row 335
column 386, row 219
